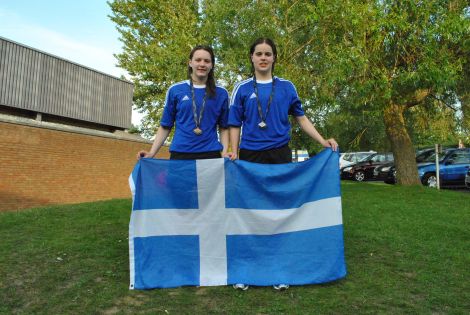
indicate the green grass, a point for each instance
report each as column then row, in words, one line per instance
column 407, row 252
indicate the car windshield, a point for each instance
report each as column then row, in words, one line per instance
column 378, row 158
column 356, row 157
column 423, row 155
column 364, row 157
column 432, row 158
column 347, row 157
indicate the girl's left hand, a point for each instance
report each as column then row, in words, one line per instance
column 229, row 155
column 331, row 143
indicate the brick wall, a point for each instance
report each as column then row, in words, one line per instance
column 40, row 166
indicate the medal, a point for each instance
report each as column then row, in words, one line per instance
column 197, row 120
column 263, row 124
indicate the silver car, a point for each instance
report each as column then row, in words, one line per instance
column 350, row 158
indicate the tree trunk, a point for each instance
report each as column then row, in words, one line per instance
column 402, row 148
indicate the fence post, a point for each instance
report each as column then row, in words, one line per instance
column 437, row 148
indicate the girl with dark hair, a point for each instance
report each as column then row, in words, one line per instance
column 261, row 106
column 197, row 107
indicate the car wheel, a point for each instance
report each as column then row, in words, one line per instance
column 359, row 176
column 430, row 180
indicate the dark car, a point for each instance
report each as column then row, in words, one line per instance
column 453, row 166
column 424, row 154
column 387, row 171
column 381, row 172
column 365, row 169
column 391, row 177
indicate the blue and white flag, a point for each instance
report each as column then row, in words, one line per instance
column 218, row 222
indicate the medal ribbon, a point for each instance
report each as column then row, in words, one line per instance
column 197, row 120
column 260, row 111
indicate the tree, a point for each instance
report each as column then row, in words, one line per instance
column 374, row 68
column 391, row 56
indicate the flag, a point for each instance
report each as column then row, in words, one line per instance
column 218, row 222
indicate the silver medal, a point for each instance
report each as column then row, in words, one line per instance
column 262, row 125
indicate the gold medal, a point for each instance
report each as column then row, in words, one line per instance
column 197, row 120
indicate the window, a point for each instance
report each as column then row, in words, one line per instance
column 459, row 157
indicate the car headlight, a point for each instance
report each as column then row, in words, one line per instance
column 347, row 169
column 386, row 169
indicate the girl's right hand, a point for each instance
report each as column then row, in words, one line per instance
column 143, row 154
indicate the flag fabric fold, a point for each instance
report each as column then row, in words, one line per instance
column 218, row 222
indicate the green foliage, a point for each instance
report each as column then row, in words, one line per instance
column 134, row 130
column 430, row 124
column 157, row 37
column 382, row 52
column 348, row 59
column 406, row 251
column 359, row 130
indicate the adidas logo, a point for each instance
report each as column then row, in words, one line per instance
column 185, row 98
column 253, row 95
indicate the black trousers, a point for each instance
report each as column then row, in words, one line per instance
column 195, row 156
column 279, row 155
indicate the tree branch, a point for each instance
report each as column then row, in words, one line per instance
column 443, row 102
column 417, row 98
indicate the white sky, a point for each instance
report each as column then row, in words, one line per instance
column 76, row 30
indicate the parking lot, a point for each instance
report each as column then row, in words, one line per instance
column 454, row 168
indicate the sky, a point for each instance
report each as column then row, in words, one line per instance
column 76, row 30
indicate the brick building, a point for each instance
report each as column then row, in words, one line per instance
column 63, row 131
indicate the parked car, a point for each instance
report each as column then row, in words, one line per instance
column 365, row 169
column 350, row 158
column 453, row 166
column 381, row 172
column 424, row 154
column 391, row 177
column 387, row 171
column 467, row 179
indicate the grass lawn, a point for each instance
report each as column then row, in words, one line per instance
column 407, row 251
